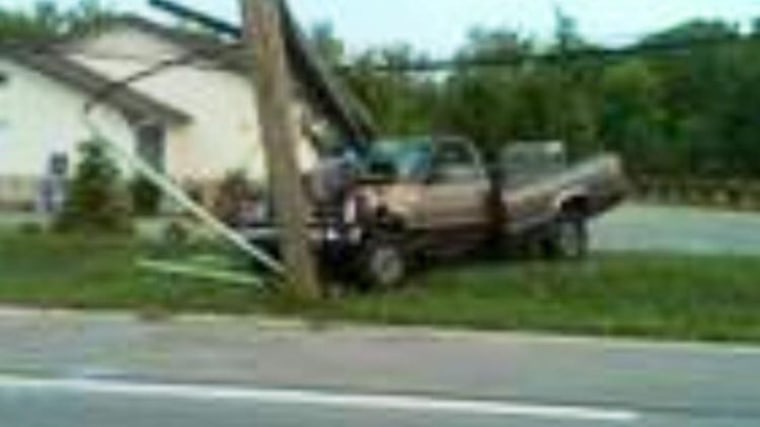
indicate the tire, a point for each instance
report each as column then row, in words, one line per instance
column 568, row 238
column 382, row 264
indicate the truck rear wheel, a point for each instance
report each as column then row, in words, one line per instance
column 568, row 238
column 382, row 263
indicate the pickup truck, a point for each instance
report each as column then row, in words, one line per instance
column 435, row 195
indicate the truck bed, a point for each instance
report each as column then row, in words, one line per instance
column 594, row 185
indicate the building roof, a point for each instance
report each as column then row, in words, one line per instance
column 323, row 86
column 134, row 104
column 319, row 83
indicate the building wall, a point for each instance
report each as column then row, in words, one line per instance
column 224, row 135
column 39, row 117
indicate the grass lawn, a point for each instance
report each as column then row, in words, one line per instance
column 87, row 272
column 651, row 295
column 647, row 295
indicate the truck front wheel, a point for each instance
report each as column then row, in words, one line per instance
column 382, row 263
column 568, row 238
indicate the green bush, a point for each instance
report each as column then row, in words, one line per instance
column 233, row 192
column 146, row 197
column 98, row 200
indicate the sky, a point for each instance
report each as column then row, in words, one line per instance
column 438, row 27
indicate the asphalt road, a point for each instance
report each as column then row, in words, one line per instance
column 678, row 230
column 70, row 370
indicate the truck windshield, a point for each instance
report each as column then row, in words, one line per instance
column 399, row 159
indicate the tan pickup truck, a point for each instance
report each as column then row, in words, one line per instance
column 425, row 196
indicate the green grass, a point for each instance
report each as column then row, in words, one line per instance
column 657, row 296
column 645, row 295
column 101, row 273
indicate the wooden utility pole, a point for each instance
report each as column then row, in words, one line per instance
column 263, row 36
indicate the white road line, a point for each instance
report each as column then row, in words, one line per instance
column 316, row 398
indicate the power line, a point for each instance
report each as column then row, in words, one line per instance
column 424, row 65
column 196, row 56
column 557, row 57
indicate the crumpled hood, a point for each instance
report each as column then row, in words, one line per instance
column 395, row 197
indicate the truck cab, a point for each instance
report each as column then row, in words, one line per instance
column 431, row 186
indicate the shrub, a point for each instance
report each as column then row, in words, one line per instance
column 97, row 199
column 146, row 197
column 234, row 190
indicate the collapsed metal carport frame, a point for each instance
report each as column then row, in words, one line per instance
column 354, row 121
column 176, row 192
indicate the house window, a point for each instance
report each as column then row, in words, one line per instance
column 58, row 164
column 151, row 146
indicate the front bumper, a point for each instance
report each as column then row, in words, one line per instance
column 319, row 235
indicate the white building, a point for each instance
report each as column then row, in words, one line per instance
column 197, row 121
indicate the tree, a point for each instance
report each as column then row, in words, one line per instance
column 691, row 31
column 566, row 35
column 401, row 102
column 527, row 100
column 699, row 86
column 494, row 44
column 575, row 91
column 484, row 103
column 632, row 116
column 98, row 200
column 46, row 20
column 689, row 110
column 330, row 47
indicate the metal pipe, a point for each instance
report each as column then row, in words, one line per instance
column 178, row 194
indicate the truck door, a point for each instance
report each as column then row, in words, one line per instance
column 526, row 194
column 456, row 192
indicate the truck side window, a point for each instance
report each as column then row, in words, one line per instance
column 455, row 163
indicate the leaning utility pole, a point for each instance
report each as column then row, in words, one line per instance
column 263, row 36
